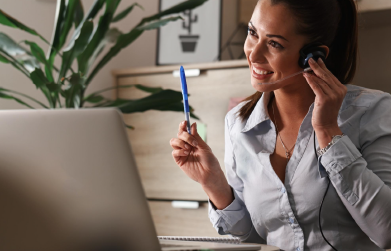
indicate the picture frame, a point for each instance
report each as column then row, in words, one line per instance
column 196, row 39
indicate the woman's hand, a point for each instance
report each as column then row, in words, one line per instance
column 330, row 93
column 195, row 157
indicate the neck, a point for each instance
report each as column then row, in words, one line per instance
column 292, row 105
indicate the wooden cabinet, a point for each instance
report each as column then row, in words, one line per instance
column 162, row 179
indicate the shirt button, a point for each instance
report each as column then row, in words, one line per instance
column 282, row 190
column 298, row 249
column 292, row 220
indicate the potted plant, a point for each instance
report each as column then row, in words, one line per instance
column 85, row 45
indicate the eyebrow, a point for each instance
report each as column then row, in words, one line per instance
column 268, row 35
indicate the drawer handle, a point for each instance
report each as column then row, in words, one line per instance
column 185, row 204
column 188, row 73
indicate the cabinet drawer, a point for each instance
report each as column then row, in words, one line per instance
column 209, row 96
column 181, row 222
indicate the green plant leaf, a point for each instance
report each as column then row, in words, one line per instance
column 38, row 78
column 156, row 24
column 95, row 8
column 114, row 103
column 7, row 20
column 75, row 48
column 148, row 89
column 181, row 7
column 125, row 12
column 60, row 15
column 41, row 82
column 98, row 36
column 123, row 41
column 73, row 91
column 17, row 53
column 6, row 96
column 130, row 127
column 94, row 99
column 110, row 37
column 39, row 54
column 166, row 100
column 154, row 101
column 24, row 95
column 79, row 13
column 70, row 6
column 4, row 59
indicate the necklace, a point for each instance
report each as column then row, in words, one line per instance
column 287, row 153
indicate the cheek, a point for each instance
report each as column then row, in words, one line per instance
column 247, row 47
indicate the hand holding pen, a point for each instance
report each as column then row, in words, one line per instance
column 196, row 158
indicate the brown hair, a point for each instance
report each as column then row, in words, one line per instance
column 330, row 22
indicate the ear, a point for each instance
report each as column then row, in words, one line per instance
column 325, row 48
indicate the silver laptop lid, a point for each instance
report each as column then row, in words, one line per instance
column 69, row 176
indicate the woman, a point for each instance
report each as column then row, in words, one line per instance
column 275, row 179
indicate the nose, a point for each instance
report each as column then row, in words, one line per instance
column 256, row 51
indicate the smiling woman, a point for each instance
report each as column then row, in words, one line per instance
column 304, row 143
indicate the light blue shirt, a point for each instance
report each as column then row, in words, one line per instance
column 356, row 214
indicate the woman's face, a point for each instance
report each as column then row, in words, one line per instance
column 273, row 46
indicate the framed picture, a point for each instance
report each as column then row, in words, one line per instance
column 195, row 39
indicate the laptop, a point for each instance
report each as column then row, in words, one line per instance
column 69, row 181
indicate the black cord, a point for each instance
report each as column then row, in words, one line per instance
column 321, row 204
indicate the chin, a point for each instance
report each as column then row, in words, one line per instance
column 263, row 87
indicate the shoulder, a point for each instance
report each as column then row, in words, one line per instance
column 364, row 97
column 232, row 117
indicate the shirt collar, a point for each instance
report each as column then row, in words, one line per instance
column 260, row 112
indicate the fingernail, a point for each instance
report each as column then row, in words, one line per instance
column 187, row 146
column 195, row 143
column 320, row 60
column 312, row 60
column 186, row 152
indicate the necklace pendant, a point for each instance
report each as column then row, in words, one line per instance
column 287, row 155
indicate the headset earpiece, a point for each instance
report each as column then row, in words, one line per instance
column 311, row 51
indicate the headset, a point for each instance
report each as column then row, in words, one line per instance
column 311, row 50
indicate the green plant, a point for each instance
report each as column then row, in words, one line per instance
column 85, row 45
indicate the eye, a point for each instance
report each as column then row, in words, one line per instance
column 276, row 45
column 251, row 31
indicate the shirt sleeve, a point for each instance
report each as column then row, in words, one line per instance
column 235, row 218
column 362, row 178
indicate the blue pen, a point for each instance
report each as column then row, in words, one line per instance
column 185, row 98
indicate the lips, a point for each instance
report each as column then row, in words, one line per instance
column 261, row 76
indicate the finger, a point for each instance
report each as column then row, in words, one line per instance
column 190, row 139
column 322, row 74
column 336, row 82
column 182, row 126
column 179, row 144
column 201, row 143
column 314, row 86
column 315, row 81
column 176, row 154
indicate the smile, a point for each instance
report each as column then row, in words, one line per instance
column 261, row 74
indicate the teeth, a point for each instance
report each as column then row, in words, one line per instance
column 262, row 72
